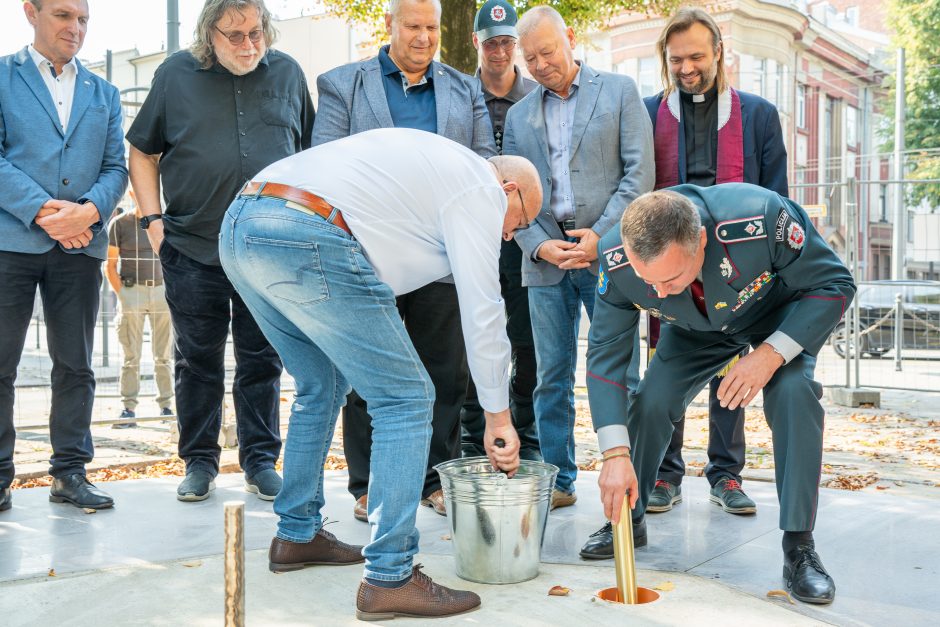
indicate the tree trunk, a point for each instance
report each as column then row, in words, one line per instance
column 456, row 30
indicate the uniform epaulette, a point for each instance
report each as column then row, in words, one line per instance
column 616, row 258
column 741, row 230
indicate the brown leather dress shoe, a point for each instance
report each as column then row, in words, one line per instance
column 419, row 598
column 323, row 550
column 361, row 508
column 435, row 500
column 562, row 499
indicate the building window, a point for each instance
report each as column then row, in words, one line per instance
column 851, row 126
column 773, row 83
column 648, row 80
column 758, row 70
column 801, row 106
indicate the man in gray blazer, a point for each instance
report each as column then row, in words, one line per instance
column 403, row 87
column 589, row 136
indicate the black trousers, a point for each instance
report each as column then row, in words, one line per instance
column 432, row 318
column 522, row 377
column 726, row 445
column 69, row 285
column 202, row 304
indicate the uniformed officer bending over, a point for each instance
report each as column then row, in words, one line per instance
column 318, row 245
column 723, row 267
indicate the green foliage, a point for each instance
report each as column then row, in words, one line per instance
column 582, row 15
column 916, row 24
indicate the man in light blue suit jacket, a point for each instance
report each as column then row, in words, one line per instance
column 61, row 174
column 404, row 87
column 590, row 138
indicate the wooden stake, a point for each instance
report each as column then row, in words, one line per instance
column 234, row 564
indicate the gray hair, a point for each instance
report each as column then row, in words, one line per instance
column 215, row 10
column 536, row 15
column 658, row 219
column 394, row 6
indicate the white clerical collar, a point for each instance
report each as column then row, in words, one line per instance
column 698, row 97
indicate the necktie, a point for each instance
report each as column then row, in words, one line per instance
column 698, row 296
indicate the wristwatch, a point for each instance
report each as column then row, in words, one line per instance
column 146, row 220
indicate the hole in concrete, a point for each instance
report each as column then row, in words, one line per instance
column 643, row 595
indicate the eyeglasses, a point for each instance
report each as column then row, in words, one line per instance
column 506, row 43
column 238, row 38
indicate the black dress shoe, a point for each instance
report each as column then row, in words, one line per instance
column 600, row 546
column 77, row 490
column 6, row 499
column 806, row 577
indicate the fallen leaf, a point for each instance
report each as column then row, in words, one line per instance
column 882, row 487
column 666, row 586
column 52, row 572
column 559, row 591
column 446, row 537
column 783, row 594
column 89, row 510
column 193, row 564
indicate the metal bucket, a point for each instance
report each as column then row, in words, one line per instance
column 497, row 524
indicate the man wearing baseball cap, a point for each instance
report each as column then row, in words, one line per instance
column 503, row 85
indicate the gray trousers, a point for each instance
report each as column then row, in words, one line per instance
column 791, row 407
column 138, row 303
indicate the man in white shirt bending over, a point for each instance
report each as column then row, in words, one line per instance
column 318, row 245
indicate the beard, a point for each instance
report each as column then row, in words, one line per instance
column 705, row 81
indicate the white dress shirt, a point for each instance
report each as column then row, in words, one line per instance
column 422, row 207
column 61, row 86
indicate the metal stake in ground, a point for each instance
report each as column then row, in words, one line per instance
column 624, row 559
column 234, row 564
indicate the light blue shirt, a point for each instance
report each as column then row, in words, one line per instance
column 559, row 118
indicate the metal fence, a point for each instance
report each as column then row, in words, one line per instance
column 890, row 336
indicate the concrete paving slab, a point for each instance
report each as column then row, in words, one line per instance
column 192, row 593
column 881, row 548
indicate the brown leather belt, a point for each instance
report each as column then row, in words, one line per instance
column 310, row 201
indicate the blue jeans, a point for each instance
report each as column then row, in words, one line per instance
column 556, row 313
column 335, row 325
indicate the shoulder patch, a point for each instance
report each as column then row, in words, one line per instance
column 602, row 281
column 781, row 228
column 616, row 258
column 795, row 236
column 741, row 230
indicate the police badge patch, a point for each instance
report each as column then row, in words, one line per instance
column 795, row 236
column 498, row 13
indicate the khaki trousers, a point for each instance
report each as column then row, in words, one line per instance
column 136, row 304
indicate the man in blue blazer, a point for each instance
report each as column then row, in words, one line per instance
column 590, row 139
column 706, row 133
column 403, row 87
column 62, row 171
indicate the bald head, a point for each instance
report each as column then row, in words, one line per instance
column 520, row 181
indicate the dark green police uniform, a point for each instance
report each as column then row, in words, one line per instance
column 767, row 276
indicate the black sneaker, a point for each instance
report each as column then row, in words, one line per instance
column 663, row 497
column 196, row 486
column 127, row 413
column 806, row 577
column 728, row 494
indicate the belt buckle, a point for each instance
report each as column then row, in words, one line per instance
column 568, row 225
